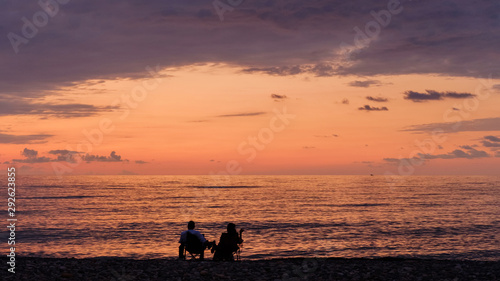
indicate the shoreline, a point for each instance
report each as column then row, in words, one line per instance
column 285, row 269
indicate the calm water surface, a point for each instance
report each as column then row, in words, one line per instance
column 284, row 216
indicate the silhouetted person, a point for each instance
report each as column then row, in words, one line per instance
column 228, row 243
column 193, row 241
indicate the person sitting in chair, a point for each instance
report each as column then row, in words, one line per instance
column 193, row 241
column 228, row 244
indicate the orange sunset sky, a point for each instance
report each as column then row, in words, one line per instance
column 173, row 88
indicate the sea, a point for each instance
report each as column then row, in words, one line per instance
column 141, row 217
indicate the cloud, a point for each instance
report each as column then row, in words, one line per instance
column 113, row 157
column 470, row 153
column 62, row 152
column 8, row 106
column 242, row 114
column 29, row 153
column 107, row 40
column 277, row 97
column 492, row 138
column 496, row 87
column 377, row 99
column 31, row 157
column 327, row 136
column 370, row 108
column 434, row 95
column 66, row 155
column 476, row 125
column 364, row 84
column 490, row 144
column 345, row 101
column 140, row 162
column 24, row 139
column 491, row 141
column 308, row 147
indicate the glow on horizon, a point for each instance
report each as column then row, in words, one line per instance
column 194, row 122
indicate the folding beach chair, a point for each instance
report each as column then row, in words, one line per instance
column 194, row 247
column 227, row 250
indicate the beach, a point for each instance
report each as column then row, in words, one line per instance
column 274, row 269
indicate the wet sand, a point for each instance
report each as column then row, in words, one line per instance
column 275, row 269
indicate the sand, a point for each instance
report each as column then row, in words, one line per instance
column 275, row 269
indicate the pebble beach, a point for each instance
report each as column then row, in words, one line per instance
column 275, row 269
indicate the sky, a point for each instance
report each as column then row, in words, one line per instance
column 250, row 87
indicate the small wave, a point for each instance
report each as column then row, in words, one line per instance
column 46, row 186
column 364, row 205
column 224, row 186
column 60, row 197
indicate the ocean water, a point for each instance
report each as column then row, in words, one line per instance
column 444, row 217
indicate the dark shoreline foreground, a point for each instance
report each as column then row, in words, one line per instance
column 276, row 269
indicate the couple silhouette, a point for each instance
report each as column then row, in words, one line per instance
column 194, row 243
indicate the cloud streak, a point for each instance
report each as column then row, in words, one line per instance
column 24, row 139
column 277, row 97
column 377, row 99
column 371, row 108
column 31, row 156
column 476, row 125
column 364, row 84
column 466, row 152
column 8, row 106
column 246, row 114
column 434, row 95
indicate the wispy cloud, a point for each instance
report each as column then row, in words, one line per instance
column 467, row 152
column 44, row 110
column 277, row 97
column 470, row 153
column 24, row 139
column 435, row 95
column 246, row 114
column 364, row 84
column 31, row 156
column 377, row 99
column 485, row 124
column 327, row 136
column 371, row 108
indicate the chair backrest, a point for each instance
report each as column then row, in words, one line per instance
column 229, row 242
column 193, row 244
